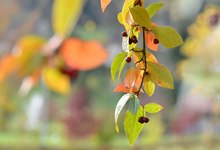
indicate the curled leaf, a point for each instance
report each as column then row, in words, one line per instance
column 121, row 103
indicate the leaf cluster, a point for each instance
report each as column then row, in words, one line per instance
column 146, row 72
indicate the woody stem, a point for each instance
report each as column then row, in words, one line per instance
column 144, row 59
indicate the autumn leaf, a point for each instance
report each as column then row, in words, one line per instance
column 124, row 17
column 140, row 16
column 153, row 108
column 56, row 81
column 149, row 36
column 160, row 75
column 65, row 16
column 139, row 60
column 28, row 53
column 83, row 55
column 104, row 4
column 130, row 83
column 117, row 63
column 167, row 36
column 132, row 126
column 7, row 66
column 153, row 8
column 149, row 86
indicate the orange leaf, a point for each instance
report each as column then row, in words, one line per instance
column 149, row 36
column 83, row 55
column 130, row 78
column 7, row 66
column 138, row 57
column 131, row 82
column 104, row 4
column 122, row 88
column 151, row 57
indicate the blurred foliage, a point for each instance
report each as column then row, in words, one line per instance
column 28, row 34
column 201, row 67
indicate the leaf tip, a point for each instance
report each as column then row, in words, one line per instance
column 104, row 4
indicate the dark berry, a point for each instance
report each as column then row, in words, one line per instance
column 134, row 39
column 137, row 93
column 141, row 120
column 72, row 73
column 156, row 41
column 214, row 19
column 146, row 120
column 128, row 59
column 147, row 73
column 124, row 34
column 130, row 41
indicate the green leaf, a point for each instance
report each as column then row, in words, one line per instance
column 140, row 16
column 160, row 75
column 121, row 68
column 153, row 8
column 121, row 103
column 116, row 64
column 153, row 108
column 149, row 86
column 131, row 125
column 168, row 36
column 65, row 15
column 134, row 104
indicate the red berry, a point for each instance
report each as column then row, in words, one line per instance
column 156, row 41
column 124, row 34
column 128, row 59
column 141, row 120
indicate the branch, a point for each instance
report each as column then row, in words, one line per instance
column 144, row 57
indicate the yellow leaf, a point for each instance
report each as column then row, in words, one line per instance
column 160, row 75
column 120, row 18
column 56, row 81
column 104, row 4
column 149, row 86
column 140, row 16
column 28, row 54
column 125, row 13
column 65, row 15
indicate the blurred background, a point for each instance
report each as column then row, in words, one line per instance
column 56, row 90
